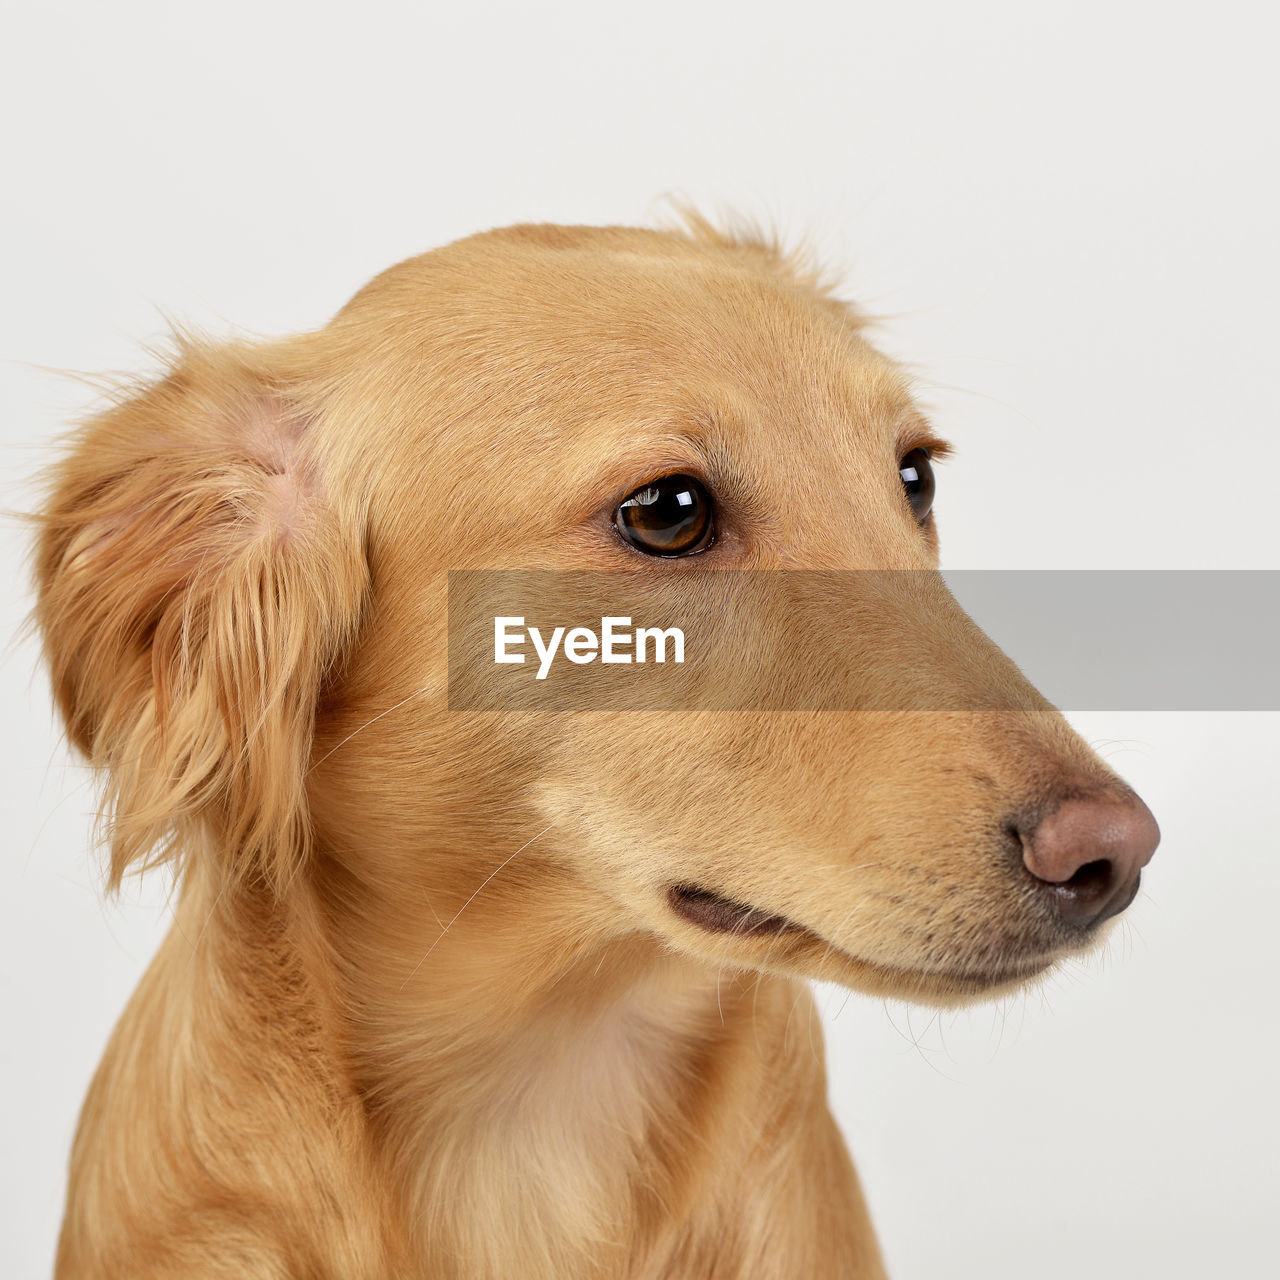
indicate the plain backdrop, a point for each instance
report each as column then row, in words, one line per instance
column 1066, row 215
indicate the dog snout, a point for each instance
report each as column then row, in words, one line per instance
column 1087, row 854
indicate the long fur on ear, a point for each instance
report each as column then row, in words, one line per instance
column 195, row 588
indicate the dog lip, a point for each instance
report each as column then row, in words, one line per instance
column 718, row 914
column 715, row 913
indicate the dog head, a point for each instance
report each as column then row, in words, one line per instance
column 243, row 581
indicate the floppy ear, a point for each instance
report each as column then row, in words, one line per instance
column 195, row 589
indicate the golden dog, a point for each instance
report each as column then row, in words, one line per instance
column 474, row 996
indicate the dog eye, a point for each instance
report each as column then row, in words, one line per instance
column 917, row 480
column 669, row 517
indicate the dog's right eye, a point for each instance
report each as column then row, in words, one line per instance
column 917, row 482
column 668, row 517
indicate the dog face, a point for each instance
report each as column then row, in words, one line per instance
column 501, row 404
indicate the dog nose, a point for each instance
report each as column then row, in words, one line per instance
column 1088, row 855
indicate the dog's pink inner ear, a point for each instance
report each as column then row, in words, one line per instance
column 270, row 431
column 197, row 481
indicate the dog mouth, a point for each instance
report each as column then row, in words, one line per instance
column 717, row 914
column 714, row 913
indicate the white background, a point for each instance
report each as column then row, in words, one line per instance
column 1067, row 215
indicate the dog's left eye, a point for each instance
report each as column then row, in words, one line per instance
column 669, row 517
column 918, row 482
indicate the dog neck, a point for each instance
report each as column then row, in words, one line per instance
column 523, row 1073
column 550, row 1100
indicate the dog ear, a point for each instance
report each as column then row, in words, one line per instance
column 195, row 589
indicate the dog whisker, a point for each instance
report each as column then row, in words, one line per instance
column 504, row 863
column 417, row 693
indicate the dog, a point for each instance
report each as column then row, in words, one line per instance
column 454, row 994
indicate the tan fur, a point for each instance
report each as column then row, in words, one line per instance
column 425, row 1011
